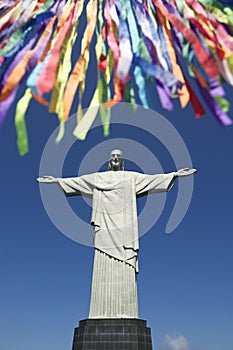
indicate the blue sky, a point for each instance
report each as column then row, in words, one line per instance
column 185, row 283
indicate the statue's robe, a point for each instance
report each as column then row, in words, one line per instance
column 114, row 217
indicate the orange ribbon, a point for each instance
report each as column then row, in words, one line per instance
column 183, row 91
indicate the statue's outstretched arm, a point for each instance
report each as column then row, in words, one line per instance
column 146, row 184
column 47, row 179
column 185, row 172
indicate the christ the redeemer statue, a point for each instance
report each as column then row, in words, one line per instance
column 114, row 218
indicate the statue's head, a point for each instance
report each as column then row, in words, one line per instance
column 116, row 161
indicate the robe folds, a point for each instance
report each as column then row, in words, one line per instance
column 114, row 210
column 116, row 242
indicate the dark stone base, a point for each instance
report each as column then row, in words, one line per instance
column 112, row 334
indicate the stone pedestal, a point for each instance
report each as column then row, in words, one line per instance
column 112, row 334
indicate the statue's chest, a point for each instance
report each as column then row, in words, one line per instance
column 116, row 188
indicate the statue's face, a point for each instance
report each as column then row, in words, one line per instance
column 116, row 161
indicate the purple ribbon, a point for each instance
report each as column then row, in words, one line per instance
column 5, row 105
column 15, row 62
column 214, row 107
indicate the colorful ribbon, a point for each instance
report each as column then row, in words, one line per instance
column 44, row 43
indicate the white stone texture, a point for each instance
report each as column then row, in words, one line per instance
column 114, row 288
column 114, row 217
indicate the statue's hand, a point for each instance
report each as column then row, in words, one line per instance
column 47, row 179
column 185, row 172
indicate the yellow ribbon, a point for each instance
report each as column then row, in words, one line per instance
column 77, row 74
column 21, row 130
column 86, row 122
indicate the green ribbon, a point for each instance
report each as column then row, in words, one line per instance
column 20, row 124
